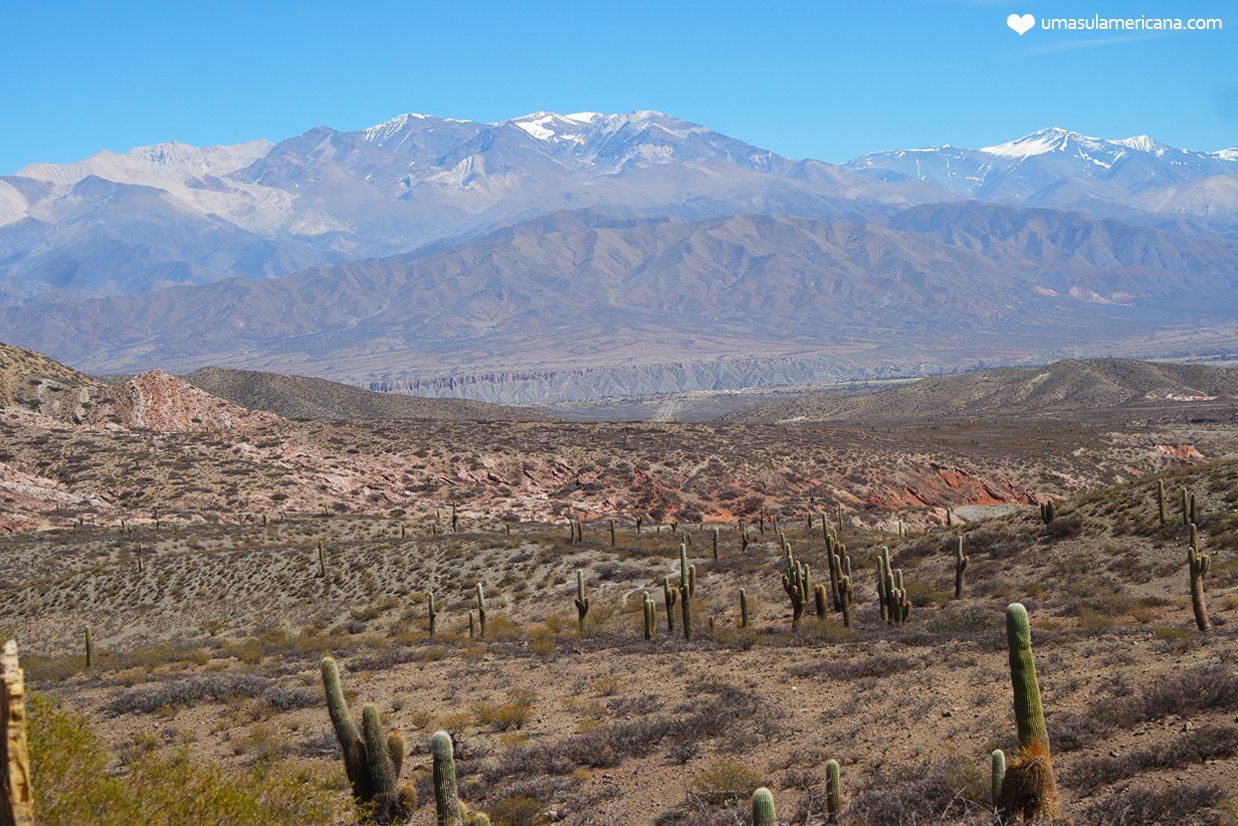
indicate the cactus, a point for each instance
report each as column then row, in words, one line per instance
column 715, row 543
column 472, row 627
column 833, row 799
column 1047, row 512
column 763, row 808
column 612, row 533
column 446, row 799
column 670, row 594
column 818, row 594
column 1186, row 508
column 651, row 615
column 743, row 608
column 346, row 731
column 381, row 767
column 371, row 762
column 794, row 582
column 322, row 561
column 433, row 614
column 844, row 591
column 1191, row 510
column 582, row 601
column 960, row 565
column 455, row 524
column 1028, row 789
column 1198, row 565
column 481, row 613
column 1160, row 501
column 90, row 649
column 996, row 776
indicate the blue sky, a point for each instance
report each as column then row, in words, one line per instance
column 827, row 80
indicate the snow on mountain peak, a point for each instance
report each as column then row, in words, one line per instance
column 1143, row 143
column 1039, row 143
column 1230, row 154
column 383, row 131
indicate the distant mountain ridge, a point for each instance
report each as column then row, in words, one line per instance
column 642, row 305
column 177, row 214
column 1064, row 386
column 299, row 397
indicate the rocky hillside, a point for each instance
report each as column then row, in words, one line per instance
column 154, row 400
column 1095, row 384
column 299, row 397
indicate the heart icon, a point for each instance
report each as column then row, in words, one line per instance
column 1021, row 24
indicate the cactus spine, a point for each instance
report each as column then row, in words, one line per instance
column 763, row 808
column 1198, row 564
column 582, row 601
column 833, row 800
column 960, row 565
column 446, row 798
column 1028, row 789
column 481, row 613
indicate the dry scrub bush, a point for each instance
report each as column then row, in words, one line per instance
column 73, row 786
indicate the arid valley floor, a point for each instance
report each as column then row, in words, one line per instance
column 217, row 555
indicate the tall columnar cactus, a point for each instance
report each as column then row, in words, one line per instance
column 763, row 808
column 446, row 798
column 670, row 595
column 997, row 775
column 1028, row 789
column 960, row 565
column 322, row 561
column 1191, row 516
column 582, row 601
column 1198, row 565
column 819, row 600
column 743, row 608
column 844, row 592
column 433, row 614
column 794, row 582
column 371, row 761
column 651, row 615
column 612, row 533
column 833, row 798
column 1048, row 512
column 90, row 649
column 715, row 543
column 455, row 523
column 346, row 731
column 1160, row 501
column 1186, row 508
column 481, row 613
column 883, row 597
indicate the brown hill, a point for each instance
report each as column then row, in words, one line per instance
column 1094, row 384
column 300, row 397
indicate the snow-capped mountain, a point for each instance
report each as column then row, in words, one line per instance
column 176, row 214
column 172, row 213
column 1058, row 167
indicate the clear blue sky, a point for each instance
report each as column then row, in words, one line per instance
column 827, row 80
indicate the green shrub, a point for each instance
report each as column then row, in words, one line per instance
column 72, row 786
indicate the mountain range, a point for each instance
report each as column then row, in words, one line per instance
column 557, row 257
